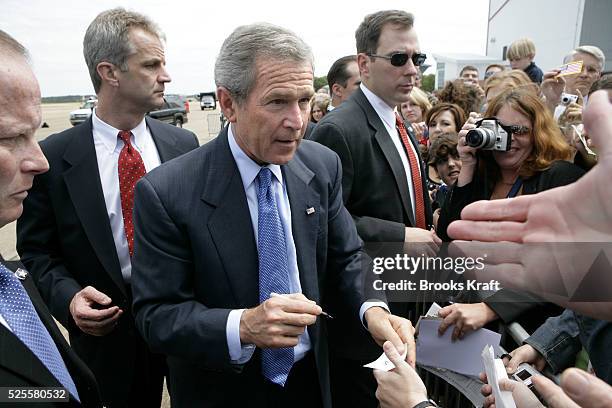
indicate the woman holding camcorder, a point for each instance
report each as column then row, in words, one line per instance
column 516, row 149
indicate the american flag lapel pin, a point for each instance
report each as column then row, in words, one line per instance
column 310, row 211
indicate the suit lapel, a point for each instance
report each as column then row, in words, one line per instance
column 304, row 223
column 389, row 151
column 164, row 141
column 18, row 358
column 230, row 224
column 85, row 190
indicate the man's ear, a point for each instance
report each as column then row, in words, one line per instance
column 363, row 62
column 108, row 73
column 227, row 103
column 337, row 90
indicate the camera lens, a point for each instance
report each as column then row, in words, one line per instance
column 474, row 138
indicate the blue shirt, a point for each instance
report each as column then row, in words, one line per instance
column 249, row 170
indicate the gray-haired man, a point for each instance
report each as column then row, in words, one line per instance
column 76, row 234
column 228, row 278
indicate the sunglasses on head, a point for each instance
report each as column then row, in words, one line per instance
column 399, row 59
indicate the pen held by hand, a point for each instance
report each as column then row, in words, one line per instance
column 324, row 314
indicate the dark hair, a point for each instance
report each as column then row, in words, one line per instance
column 455, row 110
column 10, row 45
column 337, row 73
column 443, row 146
column 605, row 82
column 500, row 66
column 466, row 96
column 468, row 68
column 368, row 32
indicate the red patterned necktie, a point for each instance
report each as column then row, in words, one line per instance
column 131, row 169
column 419, row 201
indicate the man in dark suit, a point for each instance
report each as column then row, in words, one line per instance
column 76, row 234
column 237, row 241
column 384, row 181
column 33, row 352
column 343, row 79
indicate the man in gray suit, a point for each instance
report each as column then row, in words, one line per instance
column 238, row 242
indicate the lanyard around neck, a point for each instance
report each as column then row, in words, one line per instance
column 515, row 188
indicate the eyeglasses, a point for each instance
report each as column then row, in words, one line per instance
column 515, row 129
column 399, row 59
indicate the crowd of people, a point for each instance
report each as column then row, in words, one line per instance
column 219, row 268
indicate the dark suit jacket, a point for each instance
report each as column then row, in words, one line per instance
column 309, row 128
column 375, row 192
column 196, row 260
column 65, row 240
column 374, row 184
column 19, row 367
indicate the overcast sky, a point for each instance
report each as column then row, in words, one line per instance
column 53, row 32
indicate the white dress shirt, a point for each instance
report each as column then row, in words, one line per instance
column 4, row 323
column 249, row 170
column 387, row 116
column 108, row 146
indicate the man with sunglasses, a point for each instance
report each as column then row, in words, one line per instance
column 384, row 181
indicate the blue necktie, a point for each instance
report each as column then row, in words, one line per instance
column 18, row 311
column 273, row 271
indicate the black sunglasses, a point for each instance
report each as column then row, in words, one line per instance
column 399, row 59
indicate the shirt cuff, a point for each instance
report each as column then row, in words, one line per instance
column 239, row 354
column 368, row 304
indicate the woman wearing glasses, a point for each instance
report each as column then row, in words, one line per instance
column 536, row 161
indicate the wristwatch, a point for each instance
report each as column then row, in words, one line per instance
column 424, row 404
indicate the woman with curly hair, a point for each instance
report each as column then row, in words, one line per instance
column 468, row 97
column 536, row 161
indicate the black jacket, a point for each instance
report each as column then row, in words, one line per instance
column 534, row 73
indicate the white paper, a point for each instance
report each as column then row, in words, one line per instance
column 462, row 356
column 383, row 363
column 496, row 371
column 431, row 312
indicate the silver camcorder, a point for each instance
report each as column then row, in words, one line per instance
column 566, row 98
column 488, row 135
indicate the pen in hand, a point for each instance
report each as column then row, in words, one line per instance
column 324, row 314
